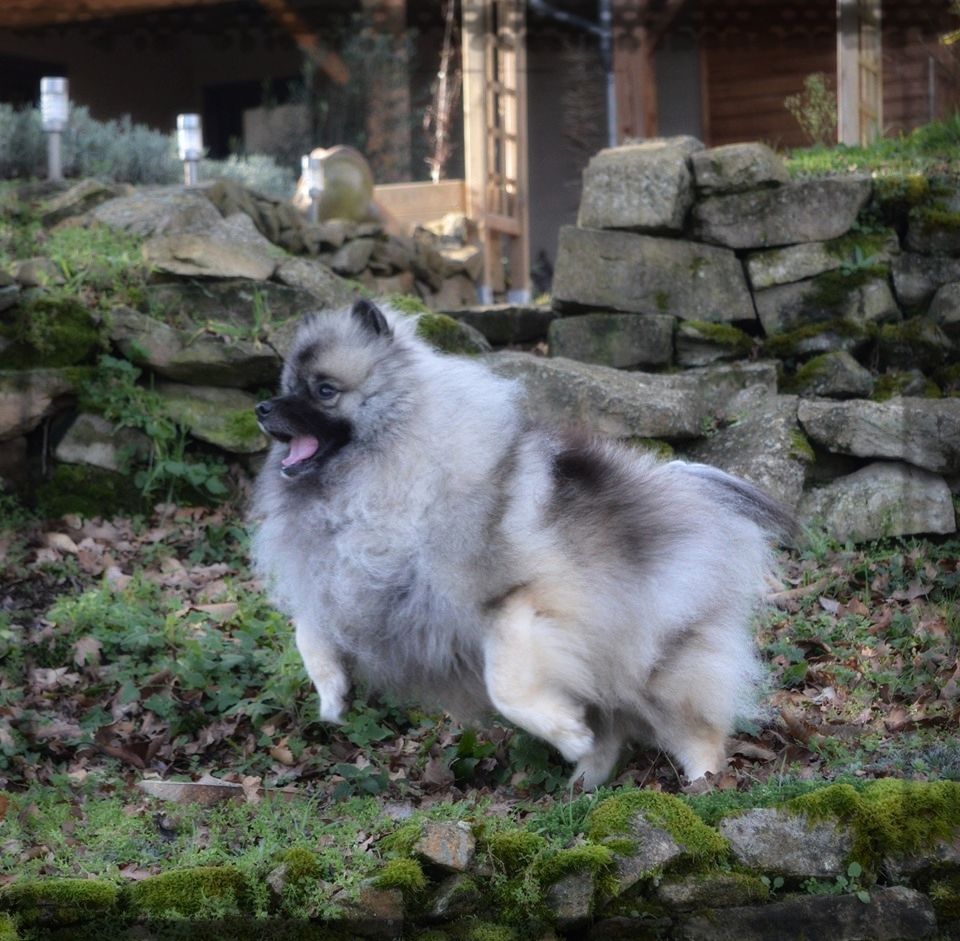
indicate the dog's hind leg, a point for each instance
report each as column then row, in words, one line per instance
column 526, row 681
column 692, row 698
column 324, row 668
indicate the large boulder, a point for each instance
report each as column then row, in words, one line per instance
column 83, row 196
column 891, row 914
column 158, row 211
column 924, row 432
column 933, row 231
column 621, row 404
column 330, row 291
column 807, row 260
column 835, row 375
column 223, row 417
column 916, row 277
column 237, row 304
column 27, row 396
column 811, row 211
column 763, row 444
column 644, row 186
column 94, row 441
column 828, row 297
column 733, row 168
column 232, row 248
column 502, row 324
column 881, row 500
column 945, row 307
column 209, row 358
column 618, row 340
column 776, row 841
column 646, row 275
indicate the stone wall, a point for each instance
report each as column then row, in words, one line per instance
column 803, row 335
column 880, row 863
column 849, row 287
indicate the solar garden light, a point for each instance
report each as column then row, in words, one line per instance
column 311, row 169
column 54, row 110
column 189, row 145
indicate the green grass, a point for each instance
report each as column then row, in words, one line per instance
column 926, row 150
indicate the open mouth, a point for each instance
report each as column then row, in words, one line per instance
column 302, row 448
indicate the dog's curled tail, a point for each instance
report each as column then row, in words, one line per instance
column 746, row 499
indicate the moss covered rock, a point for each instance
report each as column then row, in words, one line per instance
column 88, row 491
column 450, row 336
column 54, row 902
column 49, row 331
column 617, row 340
column 205, row 891
column 223, row 417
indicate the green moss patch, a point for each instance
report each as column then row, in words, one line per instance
column 8, row 928
column 945, row 894
column 205, row 891
column 407, row 304
column 612, row 819
column 830, row 290
column 720, row 334
column 784, row 345
column 888, row 817
column 301, row 863
column 512, row 850
column 587, row 858
column 403, row 874
column 58, row 901
column 447, row 335
column 50, row 330
column 88, row 491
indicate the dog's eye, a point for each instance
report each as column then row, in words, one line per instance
column 325, row 390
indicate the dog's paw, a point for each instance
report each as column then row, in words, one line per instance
column 331, row 710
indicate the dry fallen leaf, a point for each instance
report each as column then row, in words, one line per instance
column 61, row 542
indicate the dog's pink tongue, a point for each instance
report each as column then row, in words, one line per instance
column 301, row 448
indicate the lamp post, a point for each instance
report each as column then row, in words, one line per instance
column 189, row 145
column 54, row 110
column 311, row 169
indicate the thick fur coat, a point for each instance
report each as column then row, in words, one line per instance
column 426, row 538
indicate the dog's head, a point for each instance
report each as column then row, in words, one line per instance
column 334, row 387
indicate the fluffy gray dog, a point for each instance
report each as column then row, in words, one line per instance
column 427, row 538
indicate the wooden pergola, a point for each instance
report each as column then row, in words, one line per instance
column 493, row 193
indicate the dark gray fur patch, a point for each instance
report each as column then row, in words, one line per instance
column 604, row 511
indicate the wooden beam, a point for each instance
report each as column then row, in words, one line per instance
column 848, row 72
column 27, row 14
column 628, row 27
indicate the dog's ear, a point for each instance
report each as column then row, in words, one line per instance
column 370, row 317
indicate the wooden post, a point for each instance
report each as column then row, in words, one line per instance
column 848, row 72
column 871, row 72
column 630, row 75
column 495, row 140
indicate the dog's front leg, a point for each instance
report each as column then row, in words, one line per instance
column 325, row 670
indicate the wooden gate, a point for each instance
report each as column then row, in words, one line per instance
column 495, row 142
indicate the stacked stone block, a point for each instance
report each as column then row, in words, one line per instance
column 685, row 256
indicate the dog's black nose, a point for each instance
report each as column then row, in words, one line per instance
column 263, row 409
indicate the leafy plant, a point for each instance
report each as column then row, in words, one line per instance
column 815, row 109
column 115, row 394
column 848, row 882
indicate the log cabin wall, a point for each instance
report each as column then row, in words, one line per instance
column 753, row 55
column 921, row 75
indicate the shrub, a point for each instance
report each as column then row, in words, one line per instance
column 123, row 151
column 815, row 109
